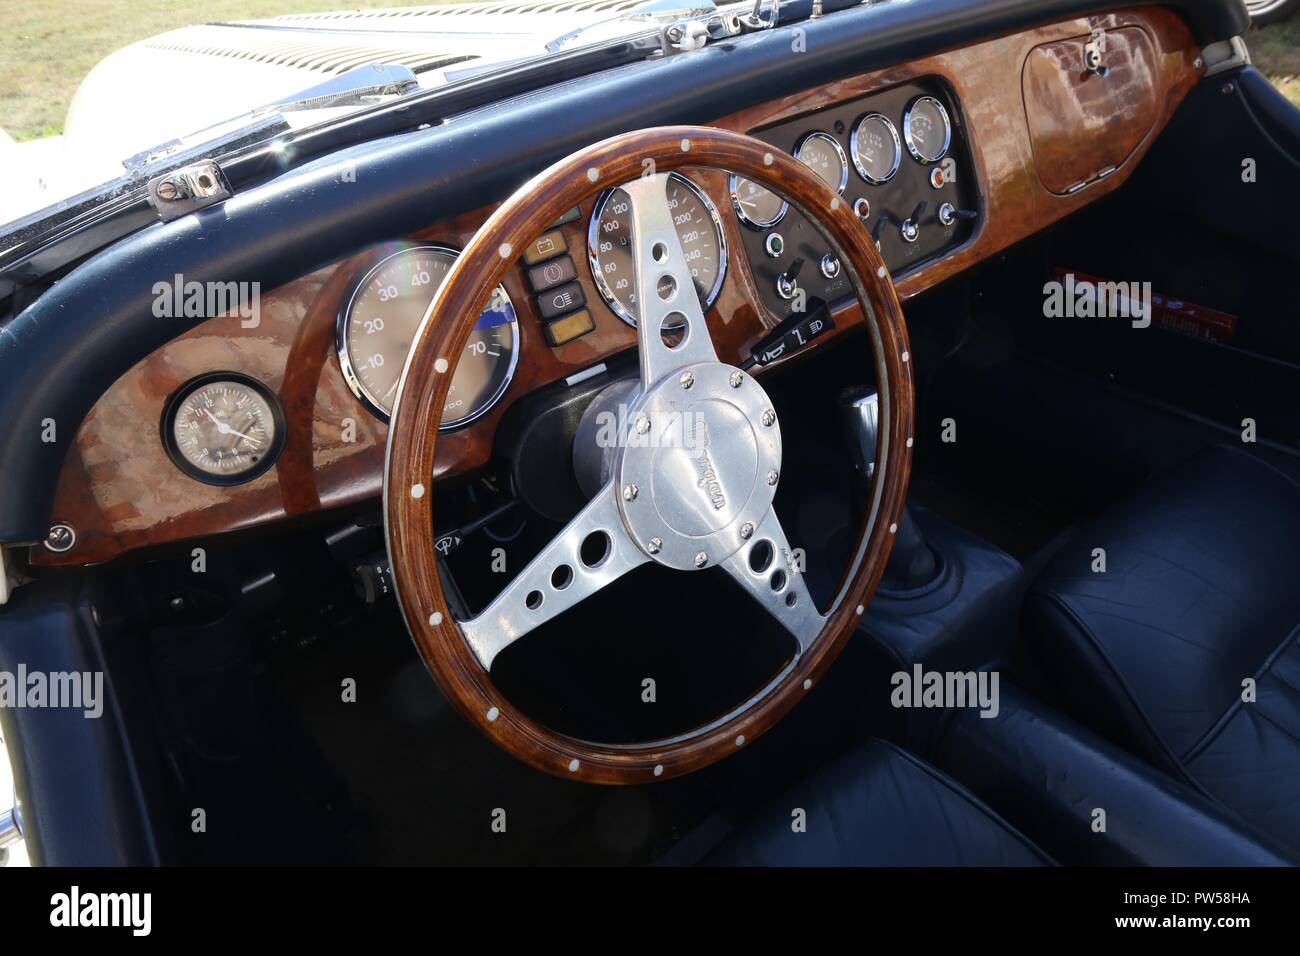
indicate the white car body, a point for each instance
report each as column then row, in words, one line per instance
column 185, row 81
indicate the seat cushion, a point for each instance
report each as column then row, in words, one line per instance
column 878, row 806
column 1199, row 594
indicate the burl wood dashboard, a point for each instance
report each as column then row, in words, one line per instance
column 1042, row 135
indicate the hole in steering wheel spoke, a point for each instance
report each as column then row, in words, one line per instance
column 760, row 556
column 533, row 601
column 595, row 549
column 561, row 577
column 673, row 330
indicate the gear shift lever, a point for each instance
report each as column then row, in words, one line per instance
column 912, row 563
column 861, row 408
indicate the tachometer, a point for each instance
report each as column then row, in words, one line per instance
column 377, row 328
column 699, row 228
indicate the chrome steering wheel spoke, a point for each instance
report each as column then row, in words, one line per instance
column 702, row 499
column 767, row 569
column 592, row 551
column 667, row 303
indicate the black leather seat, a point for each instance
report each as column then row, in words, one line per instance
column 1201, row 592
column 878, row 806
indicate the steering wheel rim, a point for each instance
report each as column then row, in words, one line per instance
column 633, row 160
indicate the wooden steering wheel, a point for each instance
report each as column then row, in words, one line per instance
column 688, row 508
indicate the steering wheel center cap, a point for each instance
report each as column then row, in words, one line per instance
column 700, row 466
column 702, row 483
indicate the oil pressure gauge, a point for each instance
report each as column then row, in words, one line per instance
column 223, row 428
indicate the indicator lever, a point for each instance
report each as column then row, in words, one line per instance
column 792, row 333
column 450, row 542
column 372, row 578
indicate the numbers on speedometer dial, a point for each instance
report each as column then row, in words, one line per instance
column 699, row 229
column 377, row 328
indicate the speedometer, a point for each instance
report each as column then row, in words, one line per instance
column 699, row 228
column 377, row 328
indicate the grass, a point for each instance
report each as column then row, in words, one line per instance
column 1276, row 52
column 48, row 46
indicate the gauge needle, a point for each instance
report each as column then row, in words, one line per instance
column 391, row 390
column 227, row 430
column 252, row 420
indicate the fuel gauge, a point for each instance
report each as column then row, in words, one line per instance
column 927, row 130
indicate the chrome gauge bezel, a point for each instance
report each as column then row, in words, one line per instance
column 858, row 162
column 907, row 130
column 743, row 216
column 844, row 160
column 593, row 256
column 358, row 388
column 177, row 398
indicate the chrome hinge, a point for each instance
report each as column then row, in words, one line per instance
column 697, row 29
column 686, row 35
column 1225, row 55
column 754, row 19
column 184, row 190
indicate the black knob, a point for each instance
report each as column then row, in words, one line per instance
column 948, row 214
